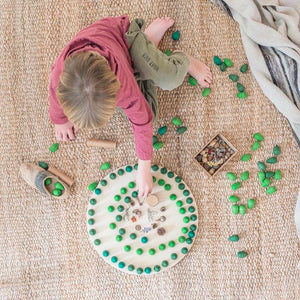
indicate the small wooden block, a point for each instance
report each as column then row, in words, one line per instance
column 152, row 200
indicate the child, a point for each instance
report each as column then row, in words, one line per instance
column 113, row 63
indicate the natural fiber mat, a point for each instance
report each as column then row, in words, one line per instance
column 44, row 248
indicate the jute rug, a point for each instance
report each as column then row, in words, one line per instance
column 44, row 247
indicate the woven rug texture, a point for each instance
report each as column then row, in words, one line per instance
column 45, row 252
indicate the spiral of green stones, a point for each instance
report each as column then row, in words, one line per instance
column 190, row 232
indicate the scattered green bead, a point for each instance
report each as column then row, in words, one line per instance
column 276, row 150
column 163, row 170
column 193, row 217
column 182, row 210
column 193, row 227
column 147, row 270
column 246, row 157
column 186, row 219
column 269, row 174
column 43, row 165
column 112, row 225
column 245, row 175
column 123, row 190
column 153, row 178
column 189, row 241
column 168, row 52
column 242, row 95
column 206, row 92
column 181, row 129
column 154, row 139
column 93, row 201
column 133, row 236
column 251, row 203
column 114, row 259
column 129, row 169
column 173, row 197
column 56, row 192
column 156, row 268
column 233, row 199
column 117, row 198
column 103, row 182
column 161, row 182
column 192, row 81
column 266, row 182
column 165, row 263
column 223, row 67
column 272, row 160
column 176, row 121
column 136, row 166
column 240, row 87
column 174, row 256
column 97, row 191
column 277, row 175
column 131, row 184
column 242, row 209
column 121, row 265
column 256, row 145
column 261, row 165
column 119, row 238
column 184, row 250
column 261, row 175
column 244, row 68
column 91, row 212
column 191, row 234
column 234, row 238
column 258, row 136
column 242, row 254
column 139, row 251
column 91, row 221
column 227, row 62
column 121, row 172
column 217, row 60
column 171, row 244
column 233, row 77
column 118, row 218
column 271, row 190
column 181, row 186
column 184, row 230
column 48, row 181
column 231, row 176
column 130, row 267
column 178, row 179
column 170, row 174
column 181, row 239
column 235, row 209
column 236, row 185
column 134, row 195
column 158, row 145
column 105, row 166
column 92, row 232
column 122, row 231
column 151, row 251
column 189, row 200
column 162, row 130
column 186, row 193
column 167, row 187
column 105, row 253
column 176, row 35
column 162, row 247
column 112, row 176
column 54, row 147
column 155, row 167
column 110, row 208
column 127, row 248
column 139, row 270
column 179, row 203
column 144, row 240
column 120, row 208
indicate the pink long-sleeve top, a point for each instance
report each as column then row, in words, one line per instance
column 107, row 37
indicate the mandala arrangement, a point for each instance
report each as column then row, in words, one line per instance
column 140, row 236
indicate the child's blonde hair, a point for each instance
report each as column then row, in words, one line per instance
column 87, row 90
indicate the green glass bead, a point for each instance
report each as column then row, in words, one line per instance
column 59, row 186
column 206, row 92
column 177, row 179
column 152, row 251
column 92, row 232
column 192, row 81
column 134, row 194
column 139, row 251
column 162, row 247
column 261, row 175
column 121, row 172
column 167, row 187
column 97, row 191
column 147, row 270
column 184, row 230
column 191, row 209
column 112, row 225
column 276, row 150
column 245, row 175
column 184, row 250
column 136, row 166
column 131, row 184
column 128, row 199
column 261, row 165
column 234, row 199
column 43, row 165
column 234, row 238
column 272, row 160
column 119, row 238
column 242, row 254
column 236, row 185
column 130, row 267
column 271, row 190
column 170, row 174
column 91, row 221
column 186, row 219
column 120, row 208
column 182, row 210
column 188, row 240
column 153, row 178
column 179, row 203
column 191, row 234
column 193, row 227
column 156, row 268
column 217, row 60
column 242, row 209
column 228, row 62
column 186, row 193
column 48, row 181
column 105, row 253
column 266, row 182
column 112, row 176
column 223, row 67
column 103, row 182
column 231, row 176
column 105, row 166
column 127, row 248
column 155, row 167
column 269, row 174
column 56, row 192
column 118, row 218
column 163, row 171
column 117, row 197
column 251, row 203
column 257, row 135
column 189, row 200
column 235, row 209
column 139, row 270
column 54, row 147
column 133, row 236
column 128, row 169
column 246, row 157
column 240, row 87
column 97, row 242
column 122, row 231
column 93, row 201
column 165, row 263
column 121, row 265
column 114, row 259
column 173, row 197
column 278, row 175
column 193, row 217
column 123, row 190
column 181, row 239
column 174, row 256
column 144, row 240
column 161, row 182
column 110, row 208
column 176, row 35
column 162, row 130
column 244, row 68
column 168, row 52
column 91, row 212
column 171, row 244
column 92, row 186
column 256, row 145
column 181, row 186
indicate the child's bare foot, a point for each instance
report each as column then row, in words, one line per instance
column 156, row 30
column 200, row 71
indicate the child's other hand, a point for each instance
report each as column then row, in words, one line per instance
column 144, row 178
column 65, row 132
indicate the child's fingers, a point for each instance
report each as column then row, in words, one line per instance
column 76, row 128
column 71, row 134
column 65, row 137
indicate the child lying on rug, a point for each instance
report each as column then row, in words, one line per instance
column 94, row 73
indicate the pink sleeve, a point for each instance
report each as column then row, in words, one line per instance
column 140, row 116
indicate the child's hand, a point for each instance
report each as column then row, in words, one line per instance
column 65, row 132
column 144, row 178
